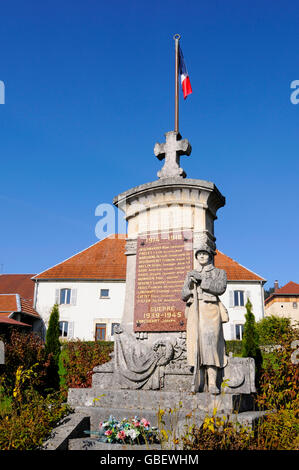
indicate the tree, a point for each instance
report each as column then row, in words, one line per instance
column 268, row 292
column 250, row 340
column 52, row 348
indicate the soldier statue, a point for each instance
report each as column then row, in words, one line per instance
column 205, row 314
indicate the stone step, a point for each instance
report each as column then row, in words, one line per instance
column 171, row 419
column 175, row 424
column 70, row 435
column 154, row 399
column 93, row 444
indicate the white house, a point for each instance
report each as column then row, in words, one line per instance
column 90, row 290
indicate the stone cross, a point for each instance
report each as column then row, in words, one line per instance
column 171, row 151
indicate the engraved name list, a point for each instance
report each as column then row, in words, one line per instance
column 163, row 261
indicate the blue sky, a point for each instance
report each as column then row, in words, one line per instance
column 89, row 91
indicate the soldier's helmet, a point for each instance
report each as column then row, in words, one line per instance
column 205, row 247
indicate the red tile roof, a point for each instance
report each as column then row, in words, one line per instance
column 10, row 321
column 26, row 307
column 106, row 260
column 17, row 283
column 4, row 314
column 16, row 295
column 289, row 288
column 10, row 303
column 234, row 270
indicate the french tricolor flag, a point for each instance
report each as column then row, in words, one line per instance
column 185, row 80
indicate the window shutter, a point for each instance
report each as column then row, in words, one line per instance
column 57, row 293
column 232, row 331
column 70, row 330
column 74, row 297
column 231, row 298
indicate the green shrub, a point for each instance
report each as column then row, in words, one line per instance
column 279, row 383
column 52, row 349
column 30, row 422
column 78, row 358
column 218, row 433
column 250, row 341
column 279, row 431
column 270, row 329
column 5, row 403
column 52, row 344
column 233, row 346
column 276, row 431
column 24, row 349
column 279, row 392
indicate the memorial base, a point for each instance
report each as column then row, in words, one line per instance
column 171, row 411
column 110, row 395
column 142, row 401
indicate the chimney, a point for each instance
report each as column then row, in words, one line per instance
column 276, row 286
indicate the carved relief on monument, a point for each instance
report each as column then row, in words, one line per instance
column 142, row 365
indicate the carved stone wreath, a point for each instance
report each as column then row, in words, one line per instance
column 163, row 351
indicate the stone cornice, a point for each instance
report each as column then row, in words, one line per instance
column 170, row 183
column 193, row 191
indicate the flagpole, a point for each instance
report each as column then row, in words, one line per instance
column 176, row 38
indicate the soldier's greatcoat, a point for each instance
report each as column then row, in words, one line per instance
column 212, row 313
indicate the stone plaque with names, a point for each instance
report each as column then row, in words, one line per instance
column 163, row 260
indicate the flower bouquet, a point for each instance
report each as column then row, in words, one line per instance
column 127, row 431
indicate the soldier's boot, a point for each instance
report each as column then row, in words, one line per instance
column 212, row 377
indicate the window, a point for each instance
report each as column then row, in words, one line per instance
column 294, row 304
column 238, row 298
column 65, row 296
column 104, row 294
column 100, row 332
column 113, row 325
column 239, row 331
column 63, row 328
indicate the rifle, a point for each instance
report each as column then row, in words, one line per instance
column 197, row 352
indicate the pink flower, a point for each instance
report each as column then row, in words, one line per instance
column 145, row 422
column 121, row 435
column 108, row 433
column 100, row 425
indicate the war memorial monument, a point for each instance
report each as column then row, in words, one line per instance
column 169, row 348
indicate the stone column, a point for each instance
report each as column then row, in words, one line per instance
column 128, row 313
